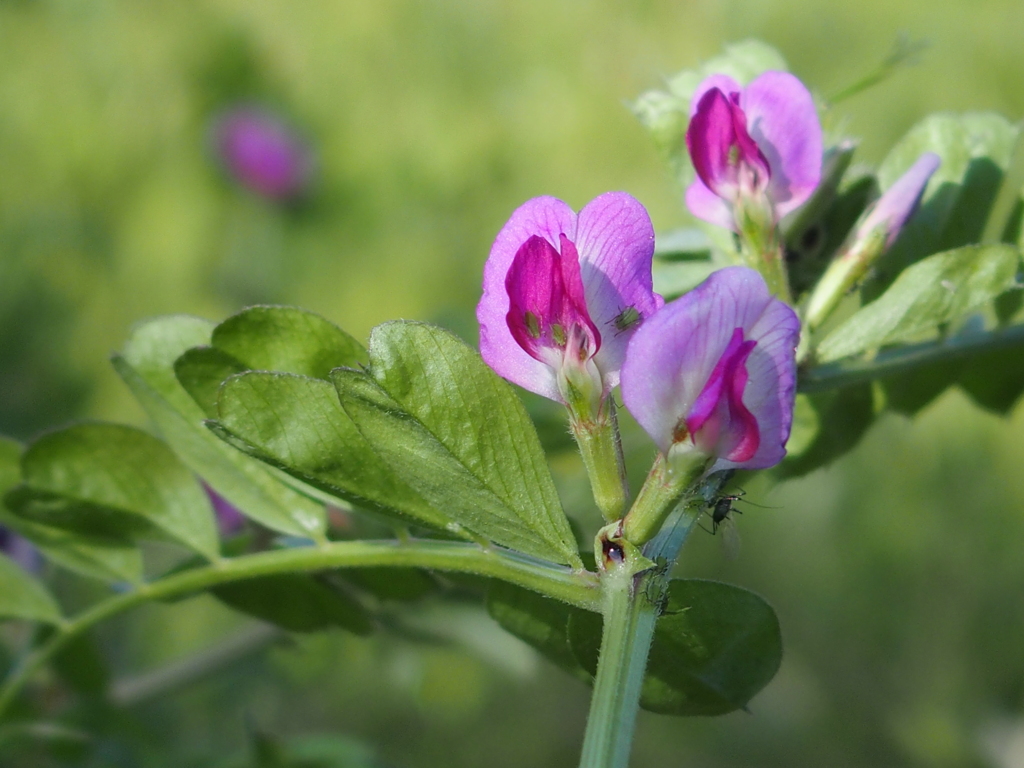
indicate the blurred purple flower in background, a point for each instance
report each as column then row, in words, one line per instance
column 262, row 152
column 714, row 372
column 758, row 145
column 230, row 519
column 20, row 550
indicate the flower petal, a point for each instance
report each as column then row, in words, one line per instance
column 724, row 83
column 782, row 119
column 546, row 217
column 771, row 384
column 615, row 240
column 673, row 356
column 706, row 205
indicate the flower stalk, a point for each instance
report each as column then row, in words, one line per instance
column 601, row 449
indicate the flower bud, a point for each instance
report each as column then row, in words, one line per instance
column 874, row 235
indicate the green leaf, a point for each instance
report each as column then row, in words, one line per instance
column 539, row 621
column 297, row 602
column 81, row 665
column 10, row 464
column 109, row 559
column 975, row 149
column 813, row 240
column 108, row 473
column 684, row 244
column 457, row 433
column 937, row 291
column 22, row 597
column 841, row 418
column 401, row 584
column 106, row 559
column 287, row 340
column 994, row 379
column 674, row 278
column 147, row 366
column 295, row 424
column 201, row 371
column 714, row 648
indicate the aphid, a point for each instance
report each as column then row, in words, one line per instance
column 720, row 519
column 626, row 319
column 721, row 510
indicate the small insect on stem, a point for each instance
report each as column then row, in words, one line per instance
column 721, row 507
column 626, row 319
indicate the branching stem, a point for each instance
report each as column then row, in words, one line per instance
column 574, row 587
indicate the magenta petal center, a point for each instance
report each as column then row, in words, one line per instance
column 726, row 158
column 719, row 422
column 548, row 314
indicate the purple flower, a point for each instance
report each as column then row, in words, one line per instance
column 20, row 550
column 563, row 295
column 715, row 372
column 758, row 144
column 262, row 153
column 891, row 211
column 230, row 519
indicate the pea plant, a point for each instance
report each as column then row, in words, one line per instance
column 810, row 295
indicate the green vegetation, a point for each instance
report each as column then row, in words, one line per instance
column 896, row 573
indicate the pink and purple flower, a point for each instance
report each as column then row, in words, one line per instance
column 262, row 152
column 755, row 145
column 564, row 294
column 714, row 373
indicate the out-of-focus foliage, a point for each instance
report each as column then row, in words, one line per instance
column 897, row 572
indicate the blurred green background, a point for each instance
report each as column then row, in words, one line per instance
column 898, row 573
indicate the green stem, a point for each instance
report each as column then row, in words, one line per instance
column 562, row 583
column 601, row 449
column 629, row 622
column 849, row 372
column 631, row 608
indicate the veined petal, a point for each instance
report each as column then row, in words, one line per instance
column 546, row 217
column 615, row 240
column 731, row 325
column 783, row 120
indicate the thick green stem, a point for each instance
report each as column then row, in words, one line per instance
column 633, row 591
column 562, row 583
column 629, row 622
